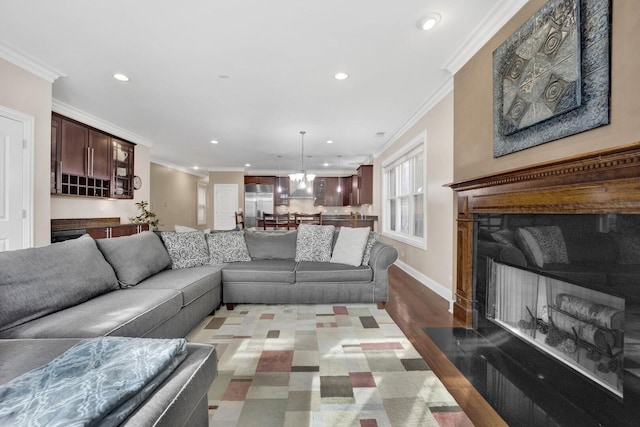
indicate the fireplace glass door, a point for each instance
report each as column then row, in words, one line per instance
column 579, row 326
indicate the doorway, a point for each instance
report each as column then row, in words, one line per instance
column 225, row 205
column 16, row 172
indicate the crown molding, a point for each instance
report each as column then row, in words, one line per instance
column 200, row 173
column 497, row 17
column 29, row 63
column 98, row 123
column 445, row 88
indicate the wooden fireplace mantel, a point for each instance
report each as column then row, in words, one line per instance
column 606, row 181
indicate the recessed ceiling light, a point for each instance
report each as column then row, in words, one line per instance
column 329, row 141
column 326, row 164
column 341, row 76
column 196, row 168
column 121, row 77
column 213, row 141
column 246, row 165
column 429, row 21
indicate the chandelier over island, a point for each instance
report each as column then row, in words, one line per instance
column 302, row 181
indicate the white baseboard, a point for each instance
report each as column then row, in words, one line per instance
column 436, row 287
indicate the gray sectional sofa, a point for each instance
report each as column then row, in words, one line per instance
column 163, row 284
column 51, row 297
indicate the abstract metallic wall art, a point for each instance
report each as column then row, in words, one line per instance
column 551, row 77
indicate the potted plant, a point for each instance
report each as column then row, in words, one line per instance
column 146, row 216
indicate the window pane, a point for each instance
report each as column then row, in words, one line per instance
column 404, row 215
column 405, row 178
column 418, row 216
column 392, row 182
column 418, row 180
column 392, row 214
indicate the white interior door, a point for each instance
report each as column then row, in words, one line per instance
column 225, row 205
column 16, row 132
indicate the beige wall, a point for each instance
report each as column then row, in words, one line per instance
column 85, row 207
column 433, row 265
column 225, row 178
column 174, row 197
column 24, row 92
column 473, row 115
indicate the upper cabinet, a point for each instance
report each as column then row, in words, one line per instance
column 86, row 161
column 332, row 191
column 362, row 186
column 122, row 170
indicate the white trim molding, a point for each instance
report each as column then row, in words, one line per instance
column 497, row 17
column 98, row 123
column 28, row 62
column 200, row 173
column 441, row 290
column 445, row 88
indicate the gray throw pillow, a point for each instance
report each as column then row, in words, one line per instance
column 350, row 245
column 135, row 257
column 371, row 242
column 314, row 243
column 186, row 249
column 228, row 246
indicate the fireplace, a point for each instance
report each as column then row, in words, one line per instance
column 573, row 311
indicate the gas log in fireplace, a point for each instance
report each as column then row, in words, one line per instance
column 550, row 254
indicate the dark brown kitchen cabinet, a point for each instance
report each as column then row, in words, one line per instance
column 332, row 191
column 112, row 231
column 282, row 191
column 362, row 186
column 122, row 170
column 82, row 161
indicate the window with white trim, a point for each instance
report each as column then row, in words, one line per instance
column 201, row 203
column 404, row 185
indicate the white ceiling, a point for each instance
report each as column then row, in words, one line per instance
column 250, row 73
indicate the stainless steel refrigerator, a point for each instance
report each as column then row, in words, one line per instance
column 258, row 200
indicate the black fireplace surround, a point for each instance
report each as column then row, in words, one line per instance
column 598, row 253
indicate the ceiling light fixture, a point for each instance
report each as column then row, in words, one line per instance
column 302, row 179
column 213, row 141
column 341, row 76
column 247, row 165
column 329, row 141
column 121, row 77
column 429, row 21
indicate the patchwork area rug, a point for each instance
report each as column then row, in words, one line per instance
column 320, row 366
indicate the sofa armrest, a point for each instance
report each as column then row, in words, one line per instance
column 382, row 256
column 502, row 252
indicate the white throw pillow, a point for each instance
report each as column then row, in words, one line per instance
column 350, row 245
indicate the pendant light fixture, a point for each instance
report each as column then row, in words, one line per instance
column 339, row 189
column 302, row 180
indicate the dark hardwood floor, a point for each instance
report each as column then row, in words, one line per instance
column 413, row 306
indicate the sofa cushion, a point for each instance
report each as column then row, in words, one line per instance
column 227, row 246
column 271, row 244
column 135, row 257
column 38, row 281
column 309, row 271
column 187, row 249
column 314, row 242
column 349, row 247
column 192, row 282
column 130, row 312
column 280, row 271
